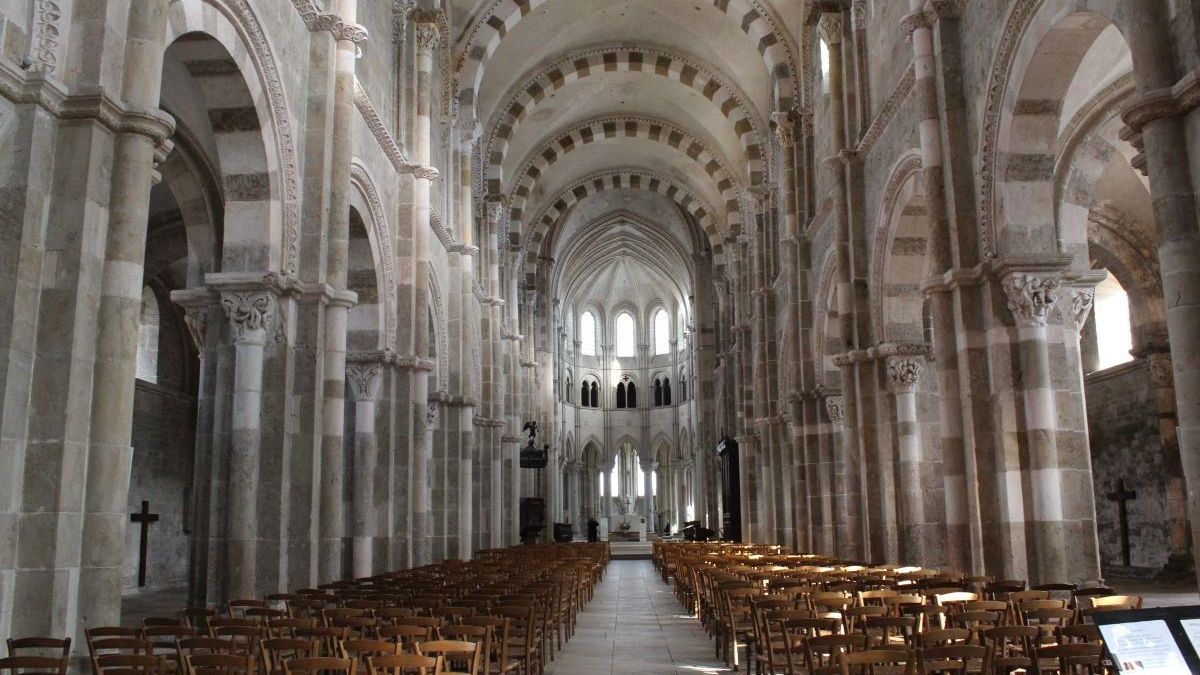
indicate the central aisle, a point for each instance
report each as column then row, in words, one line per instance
column 634, row 625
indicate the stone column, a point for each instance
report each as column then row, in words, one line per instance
column 110, row 451
column 331, row 521
column 363, row 378
column 847, row 535
column 1165, row 115
column 903, row 378
column 606, row 495
column 424, row 415
column 648, row 488
column 1031, row 298
column 1163, row 380
column 250, row 315
column 964, row 540
column 678, row 507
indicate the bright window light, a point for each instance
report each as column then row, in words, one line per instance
column 662, row 333
column 587, row 334
column 626, row 335
column 1114, row 339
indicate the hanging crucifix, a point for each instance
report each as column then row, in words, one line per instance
column 145, row 518
column 1122, row 497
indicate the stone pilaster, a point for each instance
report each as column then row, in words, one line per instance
column 331, row 522
column 363, row 378
column 250, row 314
column 903, row 379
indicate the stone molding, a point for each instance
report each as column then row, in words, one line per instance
column 383, row 235
column 904, row 373
column 98, row 106
column 887, row 111
column 1031, row 297
column 250, row 314
column 332, row 23
column 364, row 378
column 46, row 35
column 487, row 422
column 1175, row 101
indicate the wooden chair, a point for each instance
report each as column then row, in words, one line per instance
column 793, row 636
column 889, row 632
column 405, row 664
column 942, row 637
column 958, row 658
column 328, row 639
column 198, row 617
column 218, row 664
column 1009, row 648
column 360, row 649
column 822, row 652
column 126, row 664
column 495, row 660
column 34, row 665
column 1071, row 659
column 319, row 665
column 108, row 632
column 877, row 662
column 524, row 644
column 457, row 654
column 40, row 646
column 276, row 651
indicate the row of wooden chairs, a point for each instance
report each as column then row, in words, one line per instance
column 800, row 614
column 511, row 609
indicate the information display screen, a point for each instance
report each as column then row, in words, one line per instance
column 1146, row 647
column 1162, row 641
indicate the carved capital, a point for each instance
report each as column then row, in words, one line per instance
column 1082, row 300
column 249, row 312
column 830, row 28
column 196, row 320
column 782, row 124
column 426, row 31
column 363, row 379
column 834, row 406
column 1030, row 297
column 428, row 173
column 1161, row 369
column 904, row 373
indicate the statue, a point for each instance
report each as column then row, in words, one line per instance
column 531, row 427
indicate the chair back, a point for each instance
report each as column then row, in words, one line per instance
column 457, row 656
column 40, row 646
column 219, row 664
column 404, row 664
column 319, row 665
column 877, row 662
column 34, row 665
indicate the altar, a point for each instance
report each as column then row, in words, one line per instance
column 631, row 527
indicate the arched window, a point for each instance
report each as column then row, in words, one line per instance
column 662, row 333
column 683, row 389
column 626, row 335
column 614, row 480
column 583, row 394
column 631, row 395
column 147, row 343
column 595, row 397
column 824, row 54
column 620, row 394
column 587, row 334
column 641, row 481
column 1114, row 339
column 667, row 391
column 568, row 392
column 658, row 391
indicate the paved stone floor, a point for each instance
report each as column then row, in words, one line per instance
column 633, row 625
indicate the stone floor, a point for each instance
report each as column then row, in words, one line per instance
column 633, row 625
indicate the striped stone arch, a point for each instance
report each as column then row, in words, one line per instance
column 269, row 193
column 752, row 17
column 611, row 128
column 620, row 59
column 893, row 238
column 634, row 180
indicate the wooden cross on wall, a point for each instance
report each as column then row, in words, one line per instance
column 1122, row 496
column 145, row 518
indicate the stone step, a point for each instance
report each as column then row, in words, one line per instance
column 630, row 550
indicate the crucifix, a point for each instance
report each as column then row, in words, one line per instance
column 145, row 518
column 1123, row 496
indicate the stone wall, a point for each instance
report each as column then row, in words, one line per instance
column 164, row 432
column 1125, row 442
